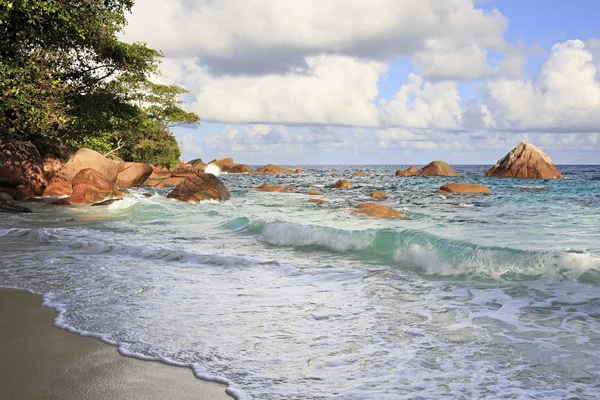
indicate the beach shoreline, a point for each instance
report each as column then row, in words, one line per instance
column 41, row 361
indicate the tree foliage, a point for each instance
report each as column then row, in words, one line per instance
column 66, row 79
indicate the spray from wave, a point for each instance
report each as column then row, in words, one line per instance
column 214, row 169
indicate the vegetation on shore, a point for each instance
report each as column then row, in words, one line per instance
column 67, row 81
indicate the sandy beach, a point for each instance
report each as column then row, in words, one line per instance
column 40, row 361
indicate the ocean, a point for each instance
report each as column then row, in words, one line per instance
column 473, row 297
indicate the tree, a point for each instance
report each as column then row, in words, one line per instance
column 137, row 126
column 58, row 59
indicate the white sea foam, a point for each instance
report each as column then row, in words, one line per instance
column 214, row 169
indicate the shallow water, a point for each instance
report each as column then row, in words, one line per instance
column 473, row 297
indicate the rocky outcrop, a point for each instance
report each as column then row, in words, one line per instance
column 377, row 211
column 183, row 166
column 313, row 192
column 298, row 171
column 51, row 166
column 5, row 198
column 525, row 161
column 181, row 173
column 410, row 171
column 197, row 165
column 437, row 168
column 360, row 173
column 90, row 186
column 199, row 187
column 341, row 184
column 379, row 195
column 168, row 182
column 464, row 188
column 62, row 183
column 271, row 169
column 160, row 172
column 133, row 174
column 267, row 188
column 21, row 171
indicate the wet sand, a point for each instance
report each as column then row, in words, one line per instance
column 40, row 361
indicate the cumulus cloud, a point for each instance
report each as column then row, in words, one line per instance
column 564, row 97
column 422, row 104
column 258, row 37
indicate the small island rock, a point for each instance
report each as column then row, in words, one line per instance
column 437, row 168
column 525, row 161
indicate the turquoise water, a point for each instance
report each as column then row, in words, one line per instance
column 473, row 297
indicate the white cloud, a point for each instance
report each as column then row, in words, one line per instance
column 260, row 37
column 564, row 97
column 421, row 104
column 443, row 59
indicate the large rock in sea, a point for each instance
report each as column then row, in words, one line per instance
column 410, row 171
column 62, row 183
column 525, row 161
column 464, row 188
column 90, row 186
column 133, row 174
column 21, row 170
column 198, row 187
column 437, row 168
column 273, row 170
column 378, row 211
column 341, row 184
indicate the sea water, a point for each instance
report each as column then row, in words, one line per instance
column 473, row 297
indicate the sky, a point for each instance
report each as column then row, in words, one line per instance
column 381, row 81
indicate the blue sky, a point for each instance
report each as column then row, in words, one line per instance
column 381, row 82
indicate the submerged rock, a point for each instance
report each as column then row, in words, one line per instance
column 198, row 187
column 13, row 208
column 341, row 184
column 437, row 168
column 62, row 183
column 105, row 203
column 317, row 201
column 378, row 211
column 313, row 192
column 378, row 194
column 133, row 174
column 464, row 188
column 267, row 188
column 525, row 161
column 360, row 173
